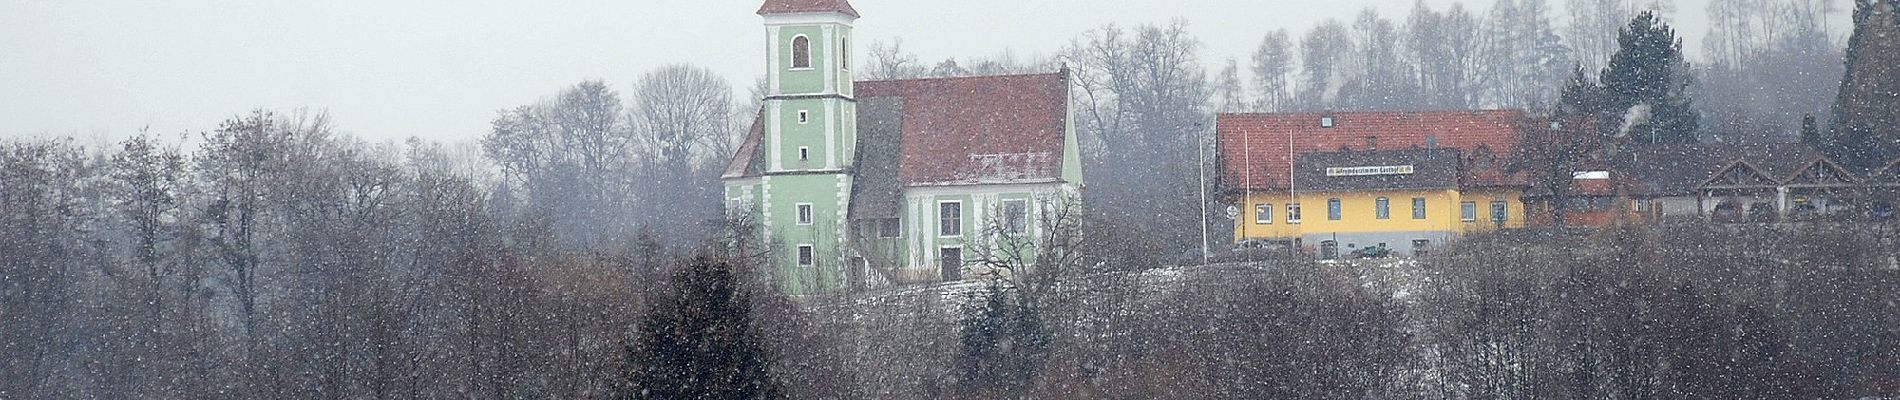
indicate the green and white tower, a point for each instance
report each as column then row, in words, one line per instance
column 893, row 182
column 809, row 120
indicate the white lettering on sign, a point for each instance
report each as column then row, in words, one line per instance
column 1364, row 171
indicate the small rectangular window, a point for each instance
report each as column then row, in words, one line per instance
column 804, row 213
column 1382, row 208
column 804, row 153
column 1263, row 214
column 950, row 218
column 1332, row 209
column 1418, row 208
column 804, row 255
column 804, row 116
column 1468, row 211
column 1499, row 211
column 1293, row 213
column 1015, row 216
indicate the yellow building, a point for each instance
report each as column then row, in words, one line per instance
column 1341, row 200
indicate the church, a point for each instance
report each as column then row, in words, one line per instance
column 878, row 183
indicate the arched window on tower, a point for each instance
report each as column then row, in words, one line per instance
column 801, row 52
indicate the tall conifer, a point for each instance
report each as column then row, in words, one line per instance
column 1866, row 128
column 1648, row 70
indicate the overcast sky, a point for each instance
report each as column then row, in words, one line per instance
column 440, row 69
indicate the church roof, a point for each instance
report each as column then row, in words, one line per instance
column 982, row 129
column 1255, row 149
column 950, row 131
column 805, row 6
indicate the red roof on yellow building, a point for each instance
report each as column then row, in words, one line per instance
column 1256, row 150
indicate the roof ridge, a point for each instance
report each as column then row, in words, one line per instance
column 1351, row 113
column 807, row 6
column 966, row 77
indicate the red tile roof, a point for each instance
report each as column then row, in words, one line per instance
column 955, row 131
column 1255, row 149
column 804, row 6
column 984, row 129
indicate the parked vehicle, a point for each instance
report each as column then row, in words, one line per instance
column 1379, row 251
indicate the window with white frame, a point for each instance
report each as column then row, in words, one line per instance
column 1468, row 211
column 950, row 218
column 801, row 52
column 1293, row 213
column 1263, row 214
column 804, row 213
column 805, row 257
column 1418, row 208
column 1499, row 211
column 804, row 153
column 804, row 116
column 1015, row 216
column 1382, row 208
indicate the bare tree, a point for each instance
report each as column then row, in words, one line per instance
column 1142, row 102
column 1525, row 58
column 1032, row 250
column 148, row 181
column 43, row 213
column 1272, row 66
column 684, row 113
column 1229, row 95
column 888, row 61
column 1323, row 54
column 1444, row 47
column 588, row 116
column 242, row 165
column 1379, row 80
column 1769, row 64
column 572, row 156
column 1591, row 28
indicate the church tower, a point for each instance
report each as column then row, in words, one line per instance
column 809, row 121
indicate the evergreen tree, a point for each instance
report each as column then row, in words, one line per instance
column 697, row 341
column 1004, row 346
column 1648, row 70
column 1866, row 128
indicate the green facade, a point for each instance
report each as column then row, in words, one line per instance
column 805, row 156
column 809, row 124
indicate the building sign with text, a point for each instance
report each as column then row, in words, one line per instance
column 1368, row 171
